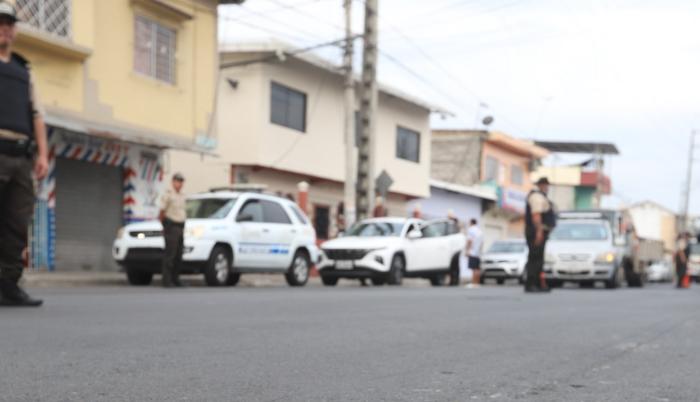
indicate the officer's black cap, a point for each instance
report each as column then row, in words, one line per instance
column 542, row 180
column 7, row 10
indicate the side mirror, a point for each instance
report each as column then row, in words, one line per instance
column 415, row 234
column 244, row 218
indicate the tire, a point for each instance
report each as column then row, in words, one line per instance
column 523, row 278
column 500, row 281
column 329, row 280
column 378, row 281
column 586, row 284
column 138, row 277
column 233, row 278
column 395, row 275
column 437, row 280
column 298, row 273
column 553, row 283
column 482, row 280
column 218, row 269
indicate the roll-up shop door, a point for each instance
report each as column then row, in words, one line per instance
column 88, row 215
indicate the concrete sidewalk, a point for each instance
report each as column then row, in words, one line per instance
column 78, row 279
column 33, row 279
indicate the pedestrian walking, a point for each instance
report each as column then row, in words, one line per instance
column 474, row 243
column 173, row 216
column 540, row 219
column 682, row 256
column 23, row 150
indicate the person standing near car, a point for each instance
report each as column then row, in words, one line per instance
column 22, row 129
column 682, row 256
column 173, row 216
column 474, row 243
column 540, row 219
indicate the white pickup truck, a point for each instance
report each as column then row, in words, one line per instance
column 386, row 250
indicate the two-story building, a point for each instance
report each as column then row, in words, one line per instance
column 495, row 159
column 281, row 122
column 121, row 81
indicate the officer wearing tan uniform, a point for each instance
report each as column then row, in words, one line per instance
column 173, row 215
column 540, row 219
column 22, row 131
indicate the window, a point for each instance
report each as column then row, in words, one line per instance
column 300, row 215
column 154, row 50
column 287, row 107
column 50, row 16
column 358, row 129
column 434, row 230
column 492, row 167
column 274, row 213
column 516, row 175
column 209, row 208
column 254, row 209
column 407, row 144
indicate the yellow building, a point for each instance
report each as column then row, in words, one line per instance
column 121, row 81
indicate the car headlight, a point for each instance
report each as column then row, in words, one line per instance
column 605, row 258
column 120, row 232
column 195, row 232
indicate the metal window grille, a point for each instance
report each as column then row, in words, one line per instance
column 51, row 16
column 154, row 50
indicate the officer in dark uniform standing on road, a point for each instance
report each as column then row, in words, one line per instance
column 173, row 215
column 540, row 219
column 22, row 130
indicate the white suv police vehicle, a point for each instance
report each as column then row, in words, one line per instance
column 386, row 250
column 227, row 233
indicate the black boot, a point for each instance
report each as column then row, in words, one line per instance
column 13, row 295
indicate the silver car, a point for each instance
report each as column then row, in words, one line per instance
column 504, row 260
column 583, row 251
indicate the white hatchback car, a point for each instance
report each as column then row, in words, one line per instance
column 386, row 250
column 227, row 233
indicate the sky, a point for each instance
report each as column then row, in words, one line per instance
column 620, row 71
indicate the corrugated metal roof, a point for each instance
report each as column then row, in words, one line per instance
column 604, row 148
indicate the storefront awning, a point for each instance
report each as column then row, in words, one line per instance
column 120, row 132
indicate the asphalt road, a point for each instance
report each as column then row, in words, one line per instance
column 352, row 344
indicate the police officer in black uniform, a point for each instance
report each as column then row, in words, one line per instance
column 22, row 130
column 540, row 219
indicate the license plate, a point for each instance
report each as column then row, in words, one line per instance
column 344, row 265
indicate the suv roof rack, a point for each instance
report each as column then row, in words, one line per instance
column 243, row 187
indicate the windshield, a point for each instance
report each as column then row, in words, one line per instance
column 209, row 208
column 579, row 231
column 507, row 247
column 376, row 229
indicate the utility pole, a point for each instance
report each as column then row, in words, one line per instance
column 688, row 183
column 368, row 111
column 350, row 156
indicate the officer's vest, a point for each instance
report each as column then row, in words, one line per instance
column 549, row 218
column 15, row 100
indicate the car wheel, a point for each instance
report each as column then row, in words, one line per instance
column 586, row 284
column 500, row 281
column 233, row 279
column 395, row 276
column 138, row 277
column 378, row 281
column 553, row 283
column 437, row 280
column 218, row 268
column 329, row 280
column 298, row 273
column 482, row 280
column 522, row 279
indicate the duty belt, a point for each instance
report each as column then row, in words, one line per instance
column 16, row 148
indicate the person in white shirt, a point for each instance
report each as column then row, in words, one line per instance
column 474, row 243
